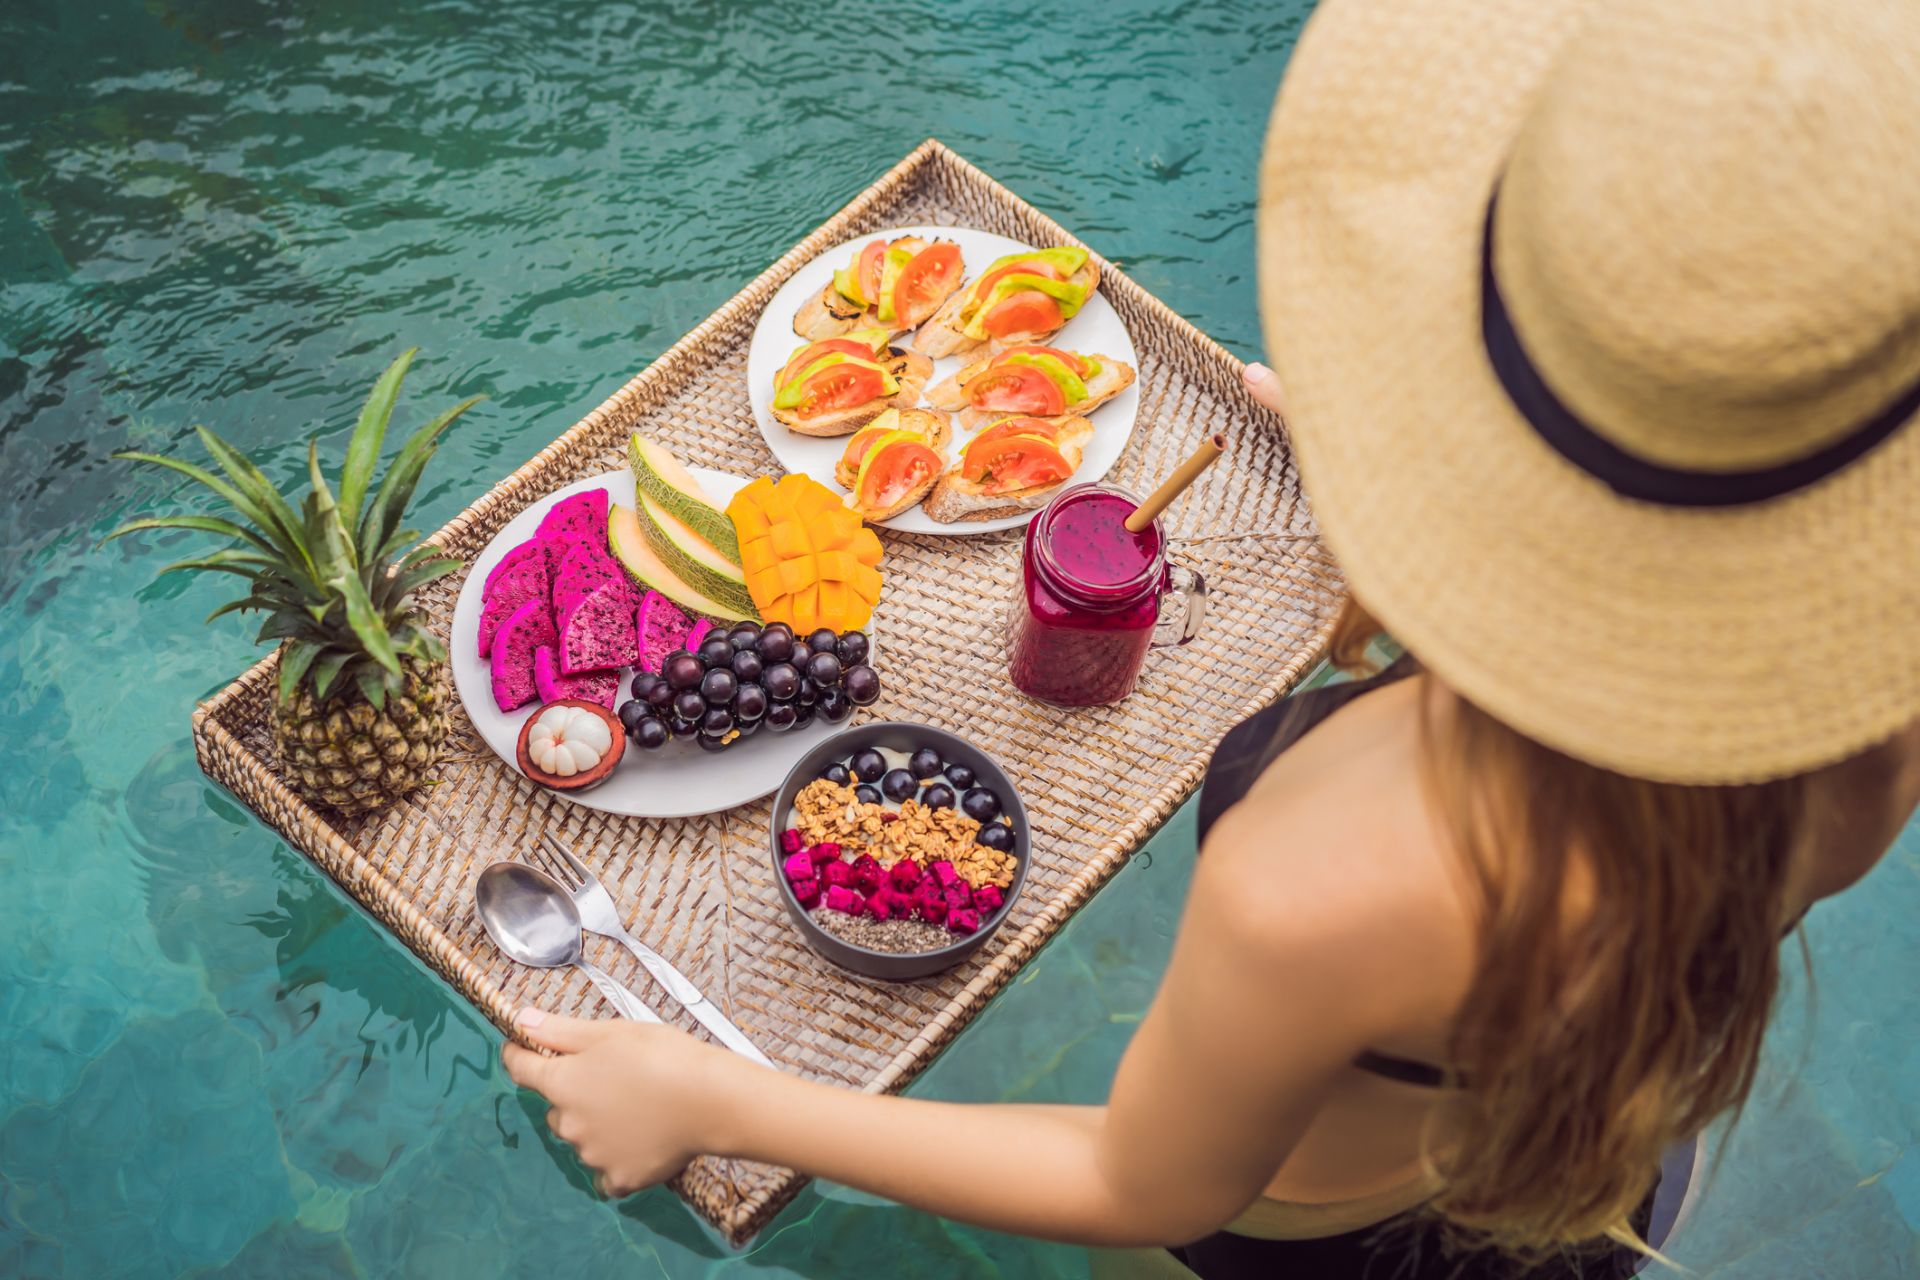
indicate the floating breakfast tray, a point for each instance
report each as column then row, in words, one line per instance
column 701, row 890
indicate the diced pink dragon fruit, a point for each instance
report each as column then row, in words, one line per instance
column 966, row 920
column 943, row 872
column 520, row 576
column 987, row 899
column 867, row 874
column 880, row 905
column 958, row 895
column 808, row 892
column 837, row 875
column 602, row 687
column 826, row 851
column 841, row 898
column 596, row 630
column 511, row 659
column 662, row 627
column 797, row 867
column 929, row 903
column 791, row 841
column 580, row 518
column 904, row 875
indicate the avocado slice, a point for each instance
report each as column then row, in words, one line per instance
column 846, row 283
column 1065, row 261
column 789, row 394
column 1056, row 369
column 1070, row 296
column 891, row 266
column 659, row 475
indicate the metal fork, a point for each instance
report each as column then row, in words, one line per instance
column 599, row 914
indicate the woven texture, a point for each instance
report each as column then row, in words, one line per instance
column 701, row 890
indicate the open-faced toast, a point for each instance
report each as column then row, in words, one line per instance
column 894, row 286
column 892, row 462
column 838, row 385
column 1022, row 299
column 1016, row 464
column 1045, row 382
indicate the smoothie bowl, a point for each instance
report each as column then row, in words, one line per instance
column 899, row 848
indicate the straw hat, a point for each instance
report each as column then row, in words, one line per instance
column 1641, row 482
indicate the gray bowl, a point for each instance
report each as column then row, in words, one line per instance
column 898, row 736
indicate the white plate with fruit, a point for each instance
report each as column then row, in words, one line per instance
column 1092, row 328
column 597, row 582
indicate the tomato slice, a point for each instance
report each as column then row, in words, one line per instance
column 1014, row 462
column 984, row 288
column 870, row 435
column 924, row 283
column 1016, row 388
column 868, row 270
column 1080, row 365
column 1017, row 427
column 894, row 470
column 1028, row 311
column 840, row 386
column 807, row 355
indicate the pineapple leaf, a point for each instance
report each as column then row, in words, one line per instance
column 339, row 553
column 234, row 498
column 363, row 447
column 326, row 670
column 373, row 686
column 289, row 624
column 294, row 661
column 200, row 524
column 389, row 506
column 255, row 601
column 412, row 578
column 366, row 621
column 250, row 480
column 247, row 564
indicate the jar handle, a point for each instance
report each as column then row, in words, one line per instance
column 1179, row 625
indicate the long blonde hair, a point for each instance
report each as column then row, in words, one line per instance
column 1628, row 939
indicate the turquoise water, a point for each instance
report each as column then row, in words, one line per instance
column 211, row 1063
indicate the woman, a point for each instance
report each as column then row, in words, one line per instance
column 1602, row 328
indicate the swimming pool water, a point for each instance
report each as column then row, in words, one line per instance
column 210, row 1062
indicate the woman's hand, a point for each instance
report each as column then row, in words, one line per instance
column 637, row 1101
column 1264, row 385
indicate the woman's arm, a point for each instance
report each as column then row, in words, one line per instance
column 1265, row 998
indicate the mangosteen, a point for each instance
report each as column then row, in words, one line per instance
column 570, row 744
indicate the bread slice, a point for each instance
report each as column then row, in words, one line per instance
column 930, row 425
column 950, row 393
column 909, row 368
column 956, row 500
column 829, row 315
column 942, row 336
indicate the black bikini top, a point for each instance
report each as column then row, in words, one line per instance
column 1244, row 755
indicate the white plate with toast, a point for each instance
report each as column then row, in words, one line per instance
column 677, row 781
column 1096, row 329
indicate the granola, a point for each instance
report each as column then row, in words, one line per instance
column 826, row 812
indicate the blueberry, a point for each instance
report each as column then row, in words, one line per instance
column 868, row 765
column 651, row 734
column 925, row 763
column 780, row 717
column 853, row 648
column 838, row 775
column 937, row 796
column 899, row 785
column 823, row 640
column 824, row 670
column 683, row 671
column 776, row 642
column 862, row 684
column 981, row 805
column 867, row 793
column 835, row 706
column 718, row 687
column 781, row 681
column 996, row 835
column 749, row 666
column 632, row 713
column 960, row 776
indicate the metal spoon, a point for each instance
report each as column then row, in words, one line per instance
column 531, row 918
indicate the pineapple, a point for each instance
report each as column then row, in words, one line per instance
column 360, row 707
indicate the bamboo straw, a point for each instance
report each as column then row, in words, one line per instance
column 1205, row 456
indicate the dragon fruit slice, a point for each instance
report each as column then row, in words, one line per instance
column 580, row 518
column 524, row 631
column 520, row 576
column 663, row 627
column 581, row 568
column 700, row 628
column 596, row 630
column 602, row 687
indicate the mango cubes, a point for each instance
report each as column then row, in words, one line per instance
column 808, row 560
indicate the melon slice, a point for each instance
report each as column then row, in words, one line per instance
column 597, row 630
column 602, row 687
column 519, row 577
column 630, row 548
column 658, row 475
column 580, row 518
column 524, row 631
column 663, row 627
column 693, row 559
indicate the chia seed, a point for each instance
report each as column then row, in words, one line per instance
column 896, row 936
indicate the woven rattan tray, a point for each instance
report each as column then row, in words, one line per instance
column 1097, row 782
